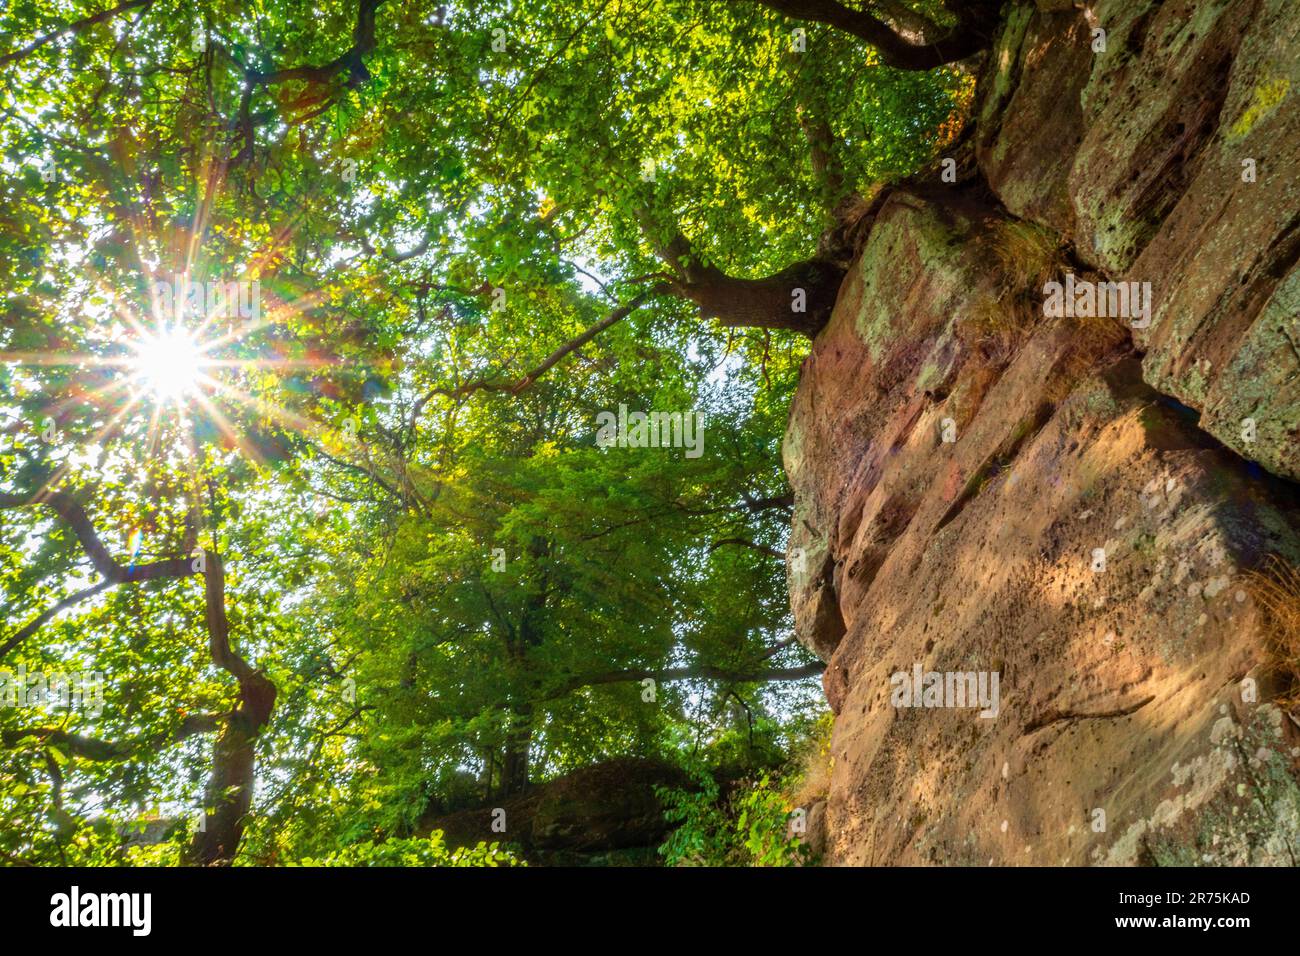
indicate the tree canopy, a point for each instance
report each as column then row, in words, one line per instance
column 309, row 317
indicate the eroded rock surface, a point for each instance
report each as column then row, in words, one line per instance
column 1173, row 157
column 983, row 489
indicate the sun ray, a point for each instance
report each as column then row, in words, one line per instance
column 81, row 398
column 266, row 320
column 300, row 424
column 55, row 359
column 228, row 430
column 268, row 408
column 271, row 363
column 154, row 432
column 50, row 482
column 173, row 365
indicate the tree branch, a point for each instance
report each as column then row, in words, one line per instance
column 518, row 385
column 973, row 32
column 229, row 792
column 74, row 27
column 923, row 29
column 810, row 287
column 698, row 672
column 39, row 621
column 92, row 748
column 351, row 61
column 785, row 502
column 74, row 515
column 778, row 648
column 744, row 542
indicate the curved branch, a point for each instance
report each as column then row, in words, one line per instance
column 92, row 748
column 518, row 385
column 699, row 672
column 229, row 792
column 908, row 20
column 316, row 101
column 351, row 61
column 74, row 515
column 39, row 621
column 746, row 543
column 972, row 33
column 785, row 502
column 74, row 27
column 800, row 297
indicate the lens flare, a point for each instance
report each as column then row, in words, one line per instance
column 168, row 363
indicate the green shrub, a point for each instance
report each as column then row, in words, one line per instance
column 416, row 852
column 750, row 828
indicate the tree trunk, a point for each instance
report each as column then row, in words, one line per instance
column 229, row 793
column 519, row 738
column 799, row 297
column 519, row 731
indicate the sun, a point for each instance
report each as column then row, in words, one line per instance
column 168, row 363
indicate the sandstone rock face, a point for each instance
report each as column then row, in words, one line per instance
column 982, row 489
column 1173, row 157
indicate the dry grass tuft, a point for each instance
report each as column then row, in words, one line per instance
column 1275, row 587
column 1092, row 339
column 1027, row 255
column 998, row 322
column 996, row 326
